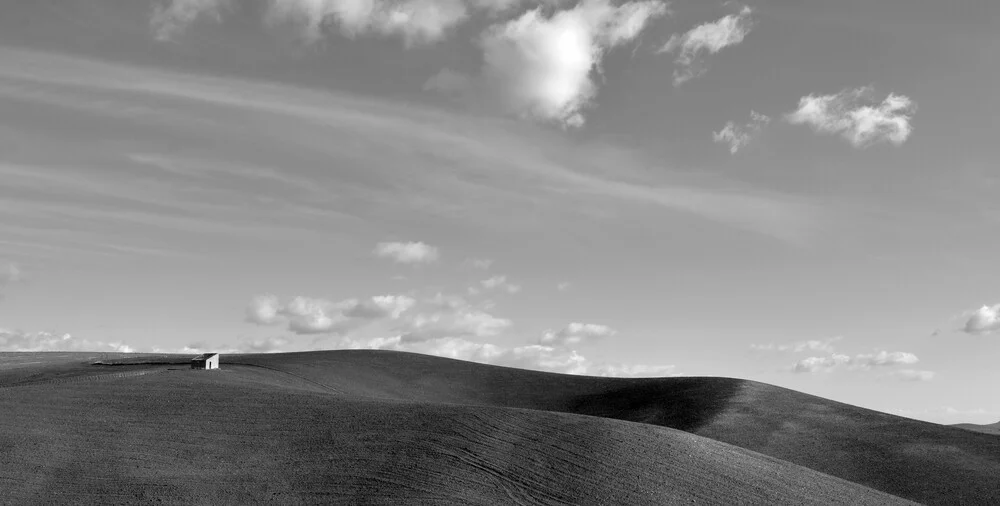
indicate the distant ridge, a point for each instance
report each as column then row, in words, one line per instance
column 991, row 428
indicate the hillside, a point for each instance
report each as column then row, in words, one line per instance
column 260, row 434
column 991, row 428
column 925, row 462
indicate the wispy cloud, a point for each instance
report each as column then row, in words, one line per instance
column 577, row 333
column 824, row 345
column 12, row 340
column 857, row 117
column 478, row 263
column 308, row 315
column 708, row 38
column 500, row 283
column 740, row 136
column 472, row 159
column 407, row 252
column 860, row 362
column 170, row 18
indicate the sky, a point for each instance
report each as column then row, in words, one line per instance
column 799, row 192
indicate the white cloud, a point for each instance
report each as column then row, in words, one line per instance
column 913, row 375
column 407, row 253
column 307, row 315
column 263, row 310
column 11, row 340
column 540, row 66
column 478, row 263
column 500, row 283
column 577, row 333
column 820, row 364
column 380, row 306
column 171, row 17
column 740, row 136
column 985, row 320
column 562, row 287
column 709, row 37
column 825, row 345
column 534, row 357
column 634, row 371
column 883, row 358
column 415, row 21
column 459, row 322
column 857, row 362
column 856, row 116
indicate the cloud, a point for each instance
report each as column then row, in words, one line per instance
column 913, row 375
column 739, row 136
column 534, row 357
column 407, row 253
column 540, row 67
column 11, row 340
column 500, row 283
column 307, row 315
column 171, row 17
column 857, row 362
column 856, row 116
column 985, row 320
column 264, row 310
column 577, row 333
column 825, row 345
column 562, row 287
column 478, row 263
column 817, row 364
column 634, row 370
column 706, row 38
column 413, row 21
column 463, row 321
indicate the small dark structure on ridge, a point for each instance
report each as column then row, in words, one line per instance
column 205, row 361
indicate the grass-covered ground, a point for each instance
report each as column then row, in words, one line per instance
column 990, row 428
column 370, row 427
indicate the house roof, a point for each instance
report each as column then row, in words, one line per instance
column 204, row 356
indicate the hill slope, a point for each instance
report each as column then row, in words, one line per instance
column 990, row 428
column 925, row 462
column 248, row 434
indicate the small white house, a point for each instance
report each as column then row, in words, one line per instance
column 205, row 361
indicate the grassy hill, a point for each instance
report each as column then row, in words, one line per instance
column 922, row 461
column 991, row 428
column 248, row 434
column 383, row 427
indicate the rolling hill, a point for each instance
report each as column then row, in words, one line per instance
column 990, row 428
column 385, row 427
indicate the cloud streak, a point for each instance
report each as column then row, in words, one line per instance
column 857, row 117
column 308, row 315
column 407, row 252
column 857, row 362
